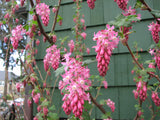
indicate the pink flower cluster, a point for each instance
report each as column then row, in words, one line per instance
column 17, row 35
column 52, row 58
column 75, row 82
column 71, row 45
column 156, row 56
column 111, row 104
column 155, row 98
column 122, row 4
column 129, row 12
column 43, row 10
column 18, row 86
column 91, row 3
column 107, row 40
column 157, row 59
column 141, row 91
column 151, row 65
column 155, row 29
column 35, row 97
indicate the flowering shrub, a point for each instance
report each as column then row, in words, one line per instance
column 76, row 81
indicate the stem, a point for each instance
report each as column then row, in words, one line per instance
column 96, row 97
column 40, row 25
column 137, row 116
column 140, row 66
column 56, row 15
column 98, row 105
column 149, row 9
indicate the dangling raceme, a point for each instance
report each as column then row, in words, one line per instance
column 107, row 40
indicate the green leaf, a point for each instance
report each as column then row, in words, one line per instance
column 87, row 106
column 156, row 13
column 88, row 61
column 122, row 20
column 52, row 116
column 105, row 116
column 59, row 71
column 4, row 22
column 31, row 12
column 52, row 108
column 102, row 102
column 138, row 4
column 86, row 115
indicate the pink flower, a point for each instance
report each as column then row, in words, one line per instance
column 54, row 10
column 88, row 51
column 84, row 35
column 37, row 42
column 107, row 40
column 83, row 21
column 45, row 111
column 5, row 39
column 39, row 108
column 52, row 58
column 18, row 86
column 155, row 98
column 60, row 22
column 36, row 98
column 91, row 3
column 105, row 84
column 54, row 37
column 76, row 82
column 122, row 4
column 17, row 35
column 43, row 10
column 35, row 118
column 155, row 29
column 157, row 59
column 17, row 20
column 71, row 45
column 6, row 16
column 111, row 104
column 29, row 102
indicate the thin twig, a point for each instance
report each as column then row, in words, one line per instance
column 40, row 25
column 140, row 66
column 149, row 9
column 98, row 105
column 55, row 18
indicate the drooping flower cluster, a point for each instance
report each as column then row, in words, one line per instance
column 129, row 12
column 36, row 97
column 151, row 65
column 155, row 98
column 141, row 91
column 107, row 40
column 111, row 104
column 17, row 35
column 122, row 4
column 52, row 58
column 43, row 10
column 155, row 29
column 157, row 59
column 71, row 45
column 75, row 82
column 91, row 3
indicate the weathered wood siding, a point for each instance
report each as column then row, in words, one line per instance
column 119, row 77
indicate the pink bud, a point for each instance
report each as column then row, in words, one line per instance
column 54, row 10
column 29, row 102
column 17, row 20
column 105, row 84
column 45, row 111
column 37, row 42
column 88, row 51
column 84, row 35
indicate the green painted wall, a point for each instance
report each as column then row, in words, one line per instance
column 119, row 76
